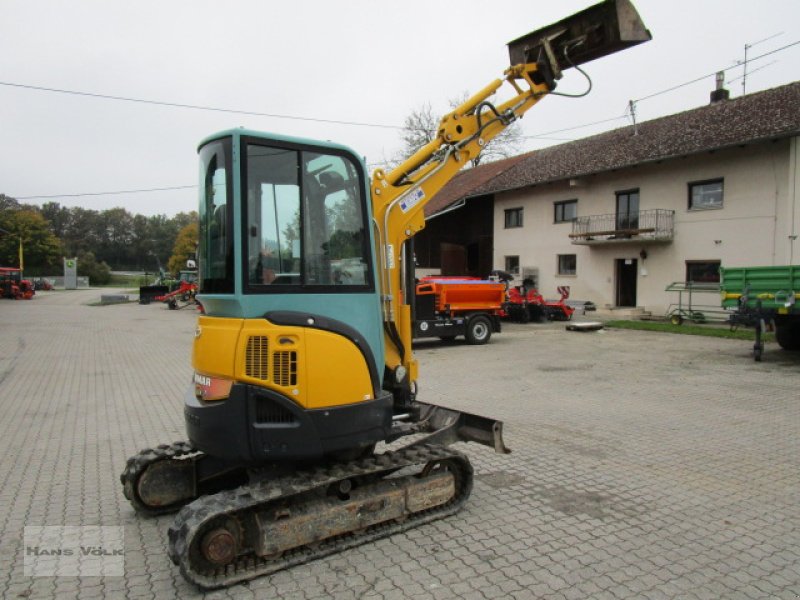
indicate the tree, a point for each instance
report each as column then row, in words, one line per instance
column 184, row 249
column 58, row 216
column 116, row 229
column 419, row 128
column 142, row 244
column 183, row 219
column 8, row 203
column 82, row 231
column 162, row 237
column 99, row 273
column 163, row 233
column 422, row 125
column 41, row 249
column 113, row 237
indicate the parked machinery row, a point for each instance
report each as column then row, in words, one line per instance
column 13, row 286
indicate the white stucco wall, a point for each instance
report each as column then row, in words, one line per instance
column 753, row 227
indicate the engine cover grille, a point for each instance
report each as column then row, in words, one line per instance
column 284, row 368
column 257, row 357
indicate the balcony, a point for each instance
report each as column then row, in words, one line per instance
column 654, row 226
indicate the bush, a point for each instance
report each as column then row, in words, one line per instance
column 99, row 273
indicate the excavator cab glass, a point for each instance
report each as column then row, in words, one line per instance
column 303, row 214
column 216, row 235
column 304, row 218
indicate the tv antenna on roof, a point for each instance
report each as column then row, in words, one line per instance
column 744, row 62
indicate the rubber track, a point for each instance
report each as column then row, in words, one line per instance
column 190, row 520
column 138, row 463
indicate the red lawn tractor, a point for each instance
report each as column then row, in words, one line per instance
column 13, row 286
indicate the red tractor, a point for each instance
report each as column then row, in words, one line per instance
column 13, row 286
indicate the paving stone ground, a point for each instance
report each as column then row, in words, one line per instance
column 644, row 465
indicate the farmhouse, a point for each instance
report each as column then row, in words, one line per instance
column 621, row 215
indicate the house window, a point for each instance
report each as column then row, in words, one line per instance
column 702, row 271
column 567, row 264
column 705, row 194
column 512, row 265
column 628, row 209
column 513, row 217
column 566, row 211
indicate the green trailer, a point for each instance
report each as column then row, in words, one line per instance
column 765, row 298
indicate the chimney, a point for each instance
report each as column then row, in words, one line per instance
column 720, row 94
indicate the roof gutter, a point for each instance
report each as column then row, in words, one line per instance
column 455, row 206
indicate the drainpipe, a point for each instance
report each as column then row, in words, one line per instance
column 794, row 174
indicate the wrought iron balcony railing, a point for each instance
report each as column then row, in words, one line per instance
column 654, row 225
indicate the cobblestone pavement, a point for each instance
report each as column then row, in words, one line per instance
column 644, row 465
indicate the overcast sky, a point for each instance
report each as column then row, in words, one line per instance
column 351, row 60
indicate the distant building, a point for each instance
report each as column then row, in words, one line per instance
column 620, row 215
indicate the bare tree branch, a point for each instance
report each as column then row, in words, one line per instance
column 422, row 124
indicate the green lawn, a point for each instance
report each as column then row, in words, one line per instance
column 722, row 331
column 119, row 280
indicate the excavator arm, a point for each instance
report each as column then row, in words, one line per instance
column 399, row 196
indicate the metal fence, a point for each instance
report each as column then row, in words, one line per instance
column 654, row 224
column 58, row 281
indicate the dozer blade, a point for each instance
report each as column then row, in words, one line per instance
column 597, row 31
column 446, row 426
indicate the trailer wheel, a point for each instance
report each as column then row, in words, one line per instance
column 676, row 319
column 758, row 347
column 479, row 331
column 758, row 351
column 788, row 336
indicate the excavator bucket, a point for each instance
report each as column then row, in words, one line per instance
column 597, row 31
column 446, row 426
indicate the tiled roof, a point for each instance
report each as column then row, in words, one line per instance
column 466, row 182
column 766, row 115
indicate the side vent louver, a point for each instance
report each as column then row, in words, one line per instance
column 271, row 412
column 257, row 357
column 284, row 368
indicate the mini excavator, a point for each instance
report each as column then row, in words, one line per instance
column 303, row 360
